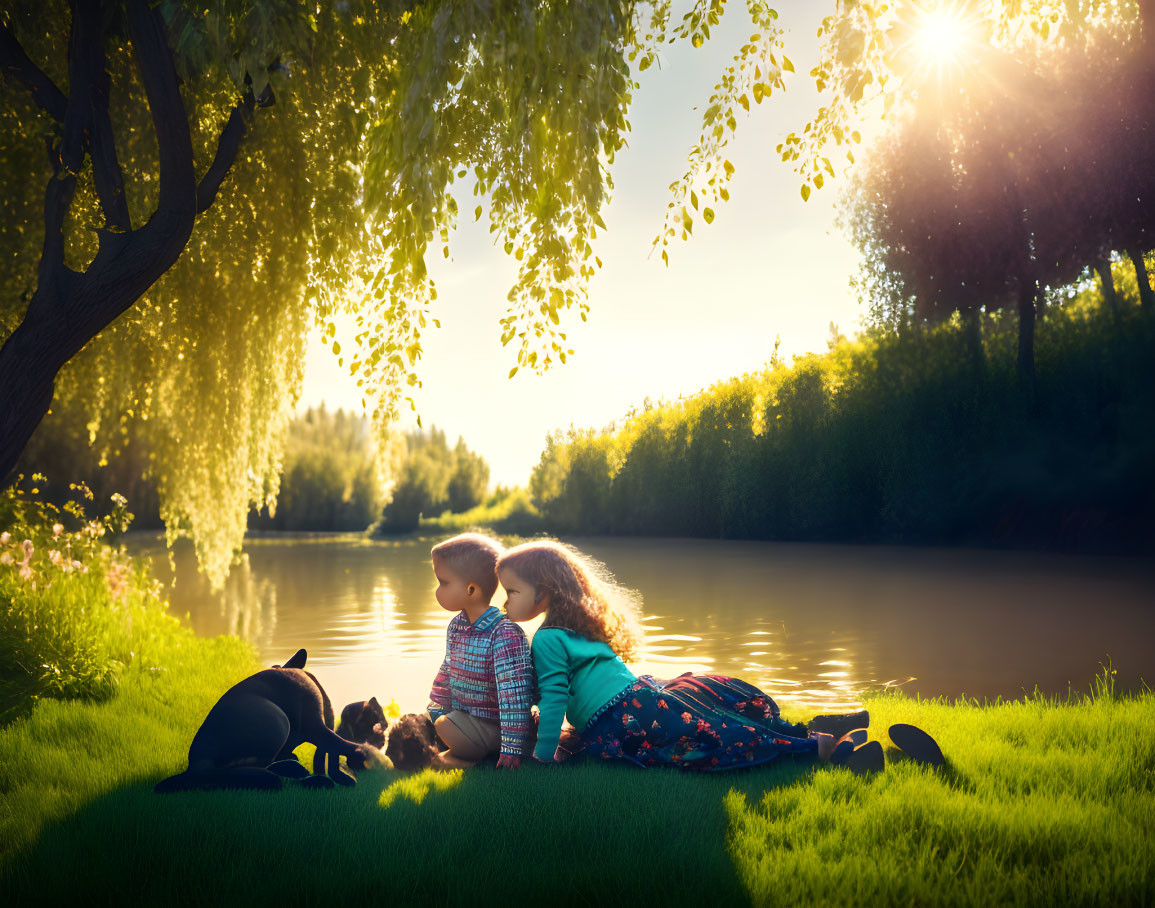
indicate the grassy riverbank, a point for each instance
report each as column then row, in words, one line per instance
column 1043, row 803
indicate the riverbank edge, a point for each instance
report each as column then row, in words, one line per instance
column 1044, row 801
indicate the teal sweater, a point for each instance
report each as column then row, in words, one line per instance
column 577, row 677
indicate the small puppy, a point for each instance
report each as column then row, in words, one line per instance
column 364, row 722
column 412, row 742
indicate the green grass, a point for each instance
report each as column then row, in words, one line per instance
column 1042, row 803
column 507, row 513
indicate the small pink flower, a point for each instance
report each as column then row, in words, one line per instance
column 57, row 529
column 25, row 572
column 5, row 538
column 26, row 548
column 55, row 557
column 6, row 558
column 117, row 581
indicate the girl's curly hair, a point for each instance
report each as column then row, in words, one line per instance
column 583, row 596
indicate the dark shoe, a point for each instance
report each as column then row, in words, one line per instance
column 868, row 758
column 315, row 781
column 840, row 725
column 916, row 744
column 858, row 737
column 846, row 746
column 842, row 750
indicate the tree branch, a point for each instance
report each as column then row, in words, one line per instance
column 227, row 146
column 16, row 65
column 106, row 172
column 178, row 194
column 68, row 160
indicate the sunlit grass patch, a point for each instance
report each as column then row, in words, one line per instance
column 67, row 754
column 1041, row 802
column 417, row 786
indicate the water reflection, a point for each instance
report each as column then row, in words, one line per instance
column 814, row 626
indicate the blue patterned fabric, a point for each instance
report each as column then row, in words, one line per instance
column 704, row 722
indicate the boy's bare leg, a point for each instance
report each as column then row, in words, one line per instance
column 462, row 752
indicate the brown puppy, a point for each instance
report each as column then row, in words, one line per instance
column 260, row 721
column 412, row 742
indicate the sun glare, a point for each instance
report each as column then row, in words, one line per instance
column 941, row 39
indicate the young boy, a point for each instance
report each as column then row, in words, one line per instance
column 481, row 697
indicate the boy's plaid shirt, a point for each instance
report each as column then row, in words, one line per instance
column 488, row 673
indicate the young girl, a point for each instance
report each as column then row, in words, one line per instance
column 694, row 721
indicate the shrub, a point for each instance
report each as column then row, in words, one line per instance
column 76, row 610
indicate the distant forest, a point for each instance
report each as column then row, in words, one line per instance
column 895, row 436
column 334, row 477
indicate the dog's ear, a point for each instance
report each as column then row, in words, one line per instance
column 296, row 661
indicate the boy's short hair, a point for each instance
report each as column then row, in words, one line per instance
column 473, row 558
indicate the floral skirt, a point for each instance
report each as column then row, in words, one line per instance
column 706, row 722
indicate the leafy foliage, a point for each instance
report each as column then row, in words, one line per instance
column 889, row 437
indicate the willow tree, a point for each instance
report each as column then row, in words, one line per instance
column 189, row 187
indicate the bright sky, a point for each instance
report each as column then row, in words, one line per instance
column 770, row 265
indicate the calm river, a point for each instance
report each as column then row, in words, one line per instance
column 813, row 625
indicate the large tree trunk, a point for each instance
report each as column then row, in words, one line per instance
column 1107, row 280
column 973, row 331
column 66, row 315
column 1147, row 17
column 69, row 308
column 1026, row 354
column 1146, row 296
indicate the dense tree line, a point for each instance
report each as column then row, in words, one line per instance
column 434, row 478
column 334, row 476
column 331, row 478
column 889, row 437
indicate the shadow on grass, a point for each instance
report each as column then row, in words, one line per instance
column 592, row 833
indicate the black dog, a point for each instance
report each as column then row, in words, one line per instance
column 260, row 721
column 364, row 723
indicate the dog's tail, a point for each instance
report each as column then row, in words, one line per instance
column 237, row 777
